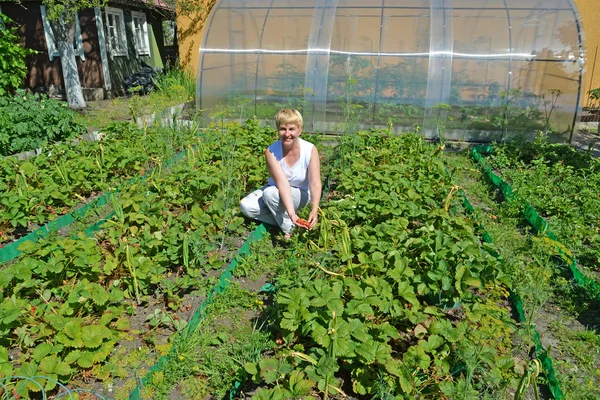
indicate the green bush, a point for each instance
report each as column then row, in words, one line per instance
column 12, row 57
column 31, row 121
column 176, row 82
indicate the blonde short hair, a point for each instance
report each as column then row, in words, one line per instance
column 289, row 116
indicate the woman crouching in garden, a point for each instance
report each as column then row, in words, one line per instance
column 295, row 178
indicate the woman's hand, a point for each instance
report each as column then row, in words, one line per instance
column 302, row 223
column 313, row 218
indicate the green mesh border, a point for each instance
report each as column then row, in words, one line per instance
column 11, row 250
column 517, row 303
column 220, row 287
column 539, row 224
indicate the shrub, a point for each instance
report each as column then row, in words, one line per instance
column 12, row 57
column 176, row 82
column 31, row 121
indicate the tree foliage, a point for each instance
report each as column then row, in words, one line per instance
column 12, row 57
column 66, row 9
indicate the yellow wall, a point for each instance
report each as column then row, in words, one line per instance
column 190, row 24
column 590, row 15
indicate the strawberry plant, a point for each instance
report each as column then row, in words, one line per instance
column 39, row 190
column 365, row 311
column 65, row 300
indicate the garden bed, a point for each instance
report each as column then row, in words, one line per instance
column 393, row 294
column 565, row 314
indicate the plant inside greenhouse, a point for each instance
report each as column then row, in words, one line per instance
column 454, row 252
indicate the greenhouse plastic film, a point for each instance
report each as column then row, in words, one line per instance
column 355, row 64
column 439, row 79
column 317, row 62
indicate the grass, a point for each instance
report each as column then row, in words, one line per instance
column 175, row 87
column 561, row 311
column 208, row 361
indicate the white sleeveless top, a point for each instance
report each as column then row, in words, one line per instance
column 297, row 175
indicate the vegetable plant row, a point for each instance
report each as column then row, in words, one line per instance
column 39, row 190
column 562, row 184
column 67, row 302
column 395, row 297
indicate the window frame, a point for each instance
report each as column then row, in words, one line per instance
column 141, row 49
column 51, row 41
column 121, row 33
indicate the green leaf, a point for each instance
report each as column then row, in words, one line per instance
column 106, row 318
column 47, row 364
column 41, row 351
column 27, row 246
column 367, row 351
column 56, row 321
column 272, row 370
column 444, row 328
column 73, row 329
column 298, row 386
column 415, row 357
column 8, row 315
column 407, row 292
column 326, row 366
column 62, row 368
column 86, row 360
column 358, row 330
column 505, row 362
column 100, row 296
column 432, row 343
column 394, row 366
column 122, row 324
column 72, row 356
column 251, row 368
column 94, row 334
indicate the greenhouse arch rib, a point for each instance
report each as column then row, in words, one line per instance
column 378, row 59
column 317, row 60
column 576, row 17
column 260, row 42
column 441, row 55
column 510, row 45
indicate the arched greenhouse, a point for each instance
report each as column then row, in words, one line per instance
column 470, row 70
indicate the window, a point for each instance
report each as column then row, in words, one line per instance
column 169, row 32
column 139, row 28
column 51, row 42
column 115, row 29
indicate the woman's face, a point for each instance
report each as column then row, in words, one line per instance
column 289, row 133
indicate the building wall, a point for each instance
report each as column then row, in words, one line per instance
column 190, row 26
column 41, row 71
column 90, row 71
column 590, row 15
column 122, row 66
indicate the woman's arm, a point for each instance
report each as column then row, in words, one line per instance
column 285, row 192
column 314, row 184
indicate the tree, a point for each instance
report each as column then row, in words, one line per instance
column 61, row 14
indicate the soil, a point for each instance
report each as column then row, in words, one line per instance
column 585, row 140
column 253, row 285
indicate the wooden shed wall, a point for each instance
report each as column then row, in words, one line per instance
column 41, row 71
column 90, row 70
